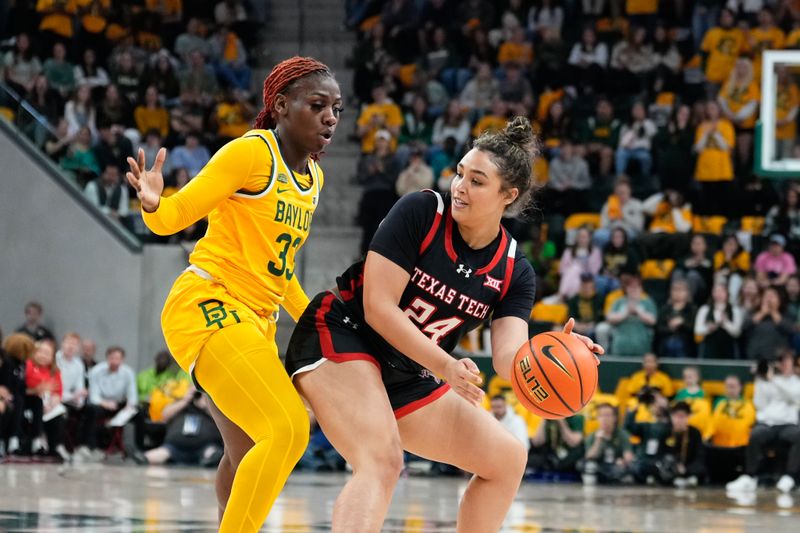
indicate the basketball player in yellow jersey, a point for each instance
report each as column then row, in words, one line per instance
column 259, row 192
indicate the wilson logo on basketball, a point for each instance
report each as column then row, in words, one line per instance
column 534, row 387
column 493, row 283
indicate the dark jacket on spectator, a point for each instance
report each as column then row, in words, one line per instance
column 678, row 342
column 764, row 339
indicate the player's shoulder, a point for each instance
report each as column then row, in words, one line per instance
column 426, row 201
column 523, row 270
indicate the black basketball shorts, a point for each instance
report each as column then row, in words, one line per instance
column 328, row 331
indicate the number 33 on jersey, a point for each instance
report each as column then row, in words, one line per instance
column 289, row 201
column 257, row 231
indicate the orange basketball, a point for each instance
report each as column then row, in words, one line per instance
column 554, row 375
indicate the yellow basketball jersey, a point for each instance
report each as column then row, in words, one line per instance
column 253, row 236
column 259, row 214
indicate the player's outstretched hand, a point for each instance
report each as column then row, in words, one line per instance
column 593, row 346
column 464, row 377
column 148, row 184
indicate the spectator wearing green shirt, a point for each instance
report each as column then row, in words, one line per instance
column 557, row 445
column 540, row 252
column 586, row 307
column 609, row 453
column 156, row 377
column 59, row 72
column 632, row 318
column 692, row 389
column 599, row 135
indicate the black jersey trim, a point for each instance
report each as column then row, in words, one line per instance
column 245, row 192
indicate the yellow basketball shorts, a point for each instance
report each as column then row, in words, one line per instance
column 196, row 308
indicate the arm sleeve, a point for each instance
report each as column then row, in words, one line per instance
column 700, row 327
column 295, row 301
column 521, row 293
column 601, row 55
column 131, row 395
column 59, row 385
column 94, row 389
column 124, row 203
column 575, row 54
column 402, row 231
column 762, row 394
column 226, row 172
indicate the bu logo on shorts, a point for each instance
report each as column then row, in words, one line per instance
column 463, row 270
column 215, row 314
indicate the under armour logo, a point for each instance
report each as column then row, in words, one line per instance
column 463, row 270
column 350, row 322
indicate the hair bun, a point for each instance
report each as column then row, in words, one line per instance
column 519, row 132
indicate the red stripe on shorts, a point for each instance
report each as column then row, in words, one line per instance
column 326, row 341
column 422, row 402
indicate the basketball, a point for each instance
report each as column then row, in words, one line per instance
column 554, row 375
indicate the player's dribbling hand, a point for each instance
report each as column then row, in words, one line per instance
column 148, row 183
column 593, row 346
column 464, row 377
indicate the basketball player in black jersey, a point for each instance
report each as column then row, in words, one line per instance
column 368, row 356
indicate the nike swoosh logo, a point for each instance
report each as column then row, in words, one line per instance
column 546, row 350
column 281, row 191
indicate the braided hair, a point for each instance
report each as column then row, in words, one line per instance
column 281, row 80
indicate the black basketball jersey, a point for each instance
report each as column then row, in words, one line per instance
column 453, row 288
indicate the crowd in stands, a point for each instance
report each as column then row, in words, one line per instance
column 58, row 402
column 108, row 77
column 650, row 226
column 657, row 430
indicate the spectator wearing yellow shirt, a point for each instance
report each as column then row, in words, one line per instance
column 495, row 121
column 152, row 114
column 732, row 264
column 714, row 141
column 786, row 102
column 233, row 115
column 793, row 39
column 56, row 22
column 93, row 17
column 381, row 114
column 642, row 13
column 738, row 101
column 650, row 376
column 516, row 50
column 693, row 394
column 765, row 36
column 721, row 46
column 230, row 59
column 169, row 14
column 728, row 432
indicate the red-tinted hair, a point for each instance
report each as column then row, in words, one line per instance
column 282, row 76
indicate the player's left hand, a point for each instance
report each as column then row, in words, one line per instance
column 593, row 346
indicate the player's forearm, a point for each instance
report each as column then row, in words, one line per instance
column 170, row 217
column 502, row 363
